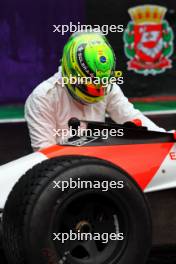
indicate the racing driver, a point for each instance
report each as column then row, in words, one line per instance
column 52, row 103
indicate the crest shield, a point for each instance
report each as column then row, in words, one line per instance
column 148, row 40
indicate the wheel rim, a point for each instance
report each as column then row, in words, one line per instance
column 94, row 213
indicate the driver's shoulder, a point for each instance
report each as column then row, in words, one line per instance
column 114, row 91
column 46, row 87
column 45, row 94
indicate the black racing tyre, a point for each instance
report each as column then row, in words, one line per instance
column 38, row 214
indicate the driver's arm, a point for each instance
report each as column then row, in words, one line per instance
column 41, row 122
column 121, row 110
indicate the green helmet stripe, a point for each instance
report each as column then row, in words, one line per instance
column 87, row 55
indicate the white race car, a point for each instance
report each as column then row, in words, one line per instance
column 91, row 201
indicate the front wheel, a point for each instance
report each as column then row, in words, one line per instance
column 43, row 224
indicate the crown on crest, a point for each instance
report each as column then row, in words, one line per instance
column 147, row 13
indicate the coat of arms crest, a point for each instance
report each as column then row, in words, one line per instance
column 148, row 40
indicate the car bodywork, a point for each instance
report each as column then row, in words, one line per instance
column 148, row 157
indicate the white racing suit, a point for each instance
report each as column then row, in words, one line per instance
column 50, row 106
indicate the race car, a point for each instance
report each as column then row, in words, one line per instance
column 118, row 191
